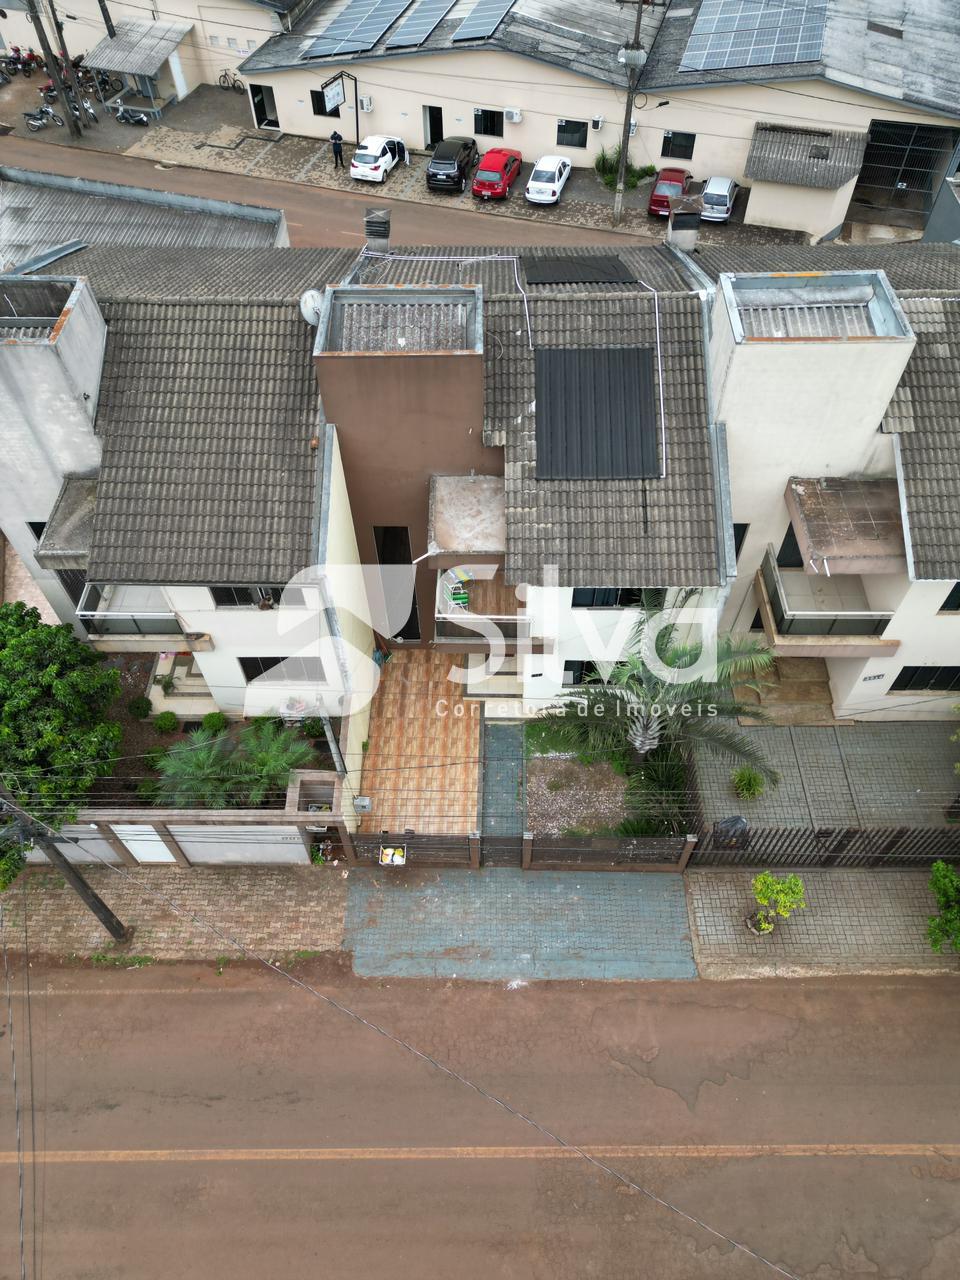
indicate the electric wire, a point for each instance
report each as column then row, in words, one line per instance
column 28, row 1005
column 251, row 954
column 16, row 1093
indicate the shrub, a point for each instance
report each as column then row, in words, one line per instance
column 214, row 722
column 312, row 727
column 166, row 683
column 166, row 722
column 607, row 165
column 748, row 783
column 12, row 862
column 139, row 708
column 945, row 927
column 777, row 896
column 266, row 753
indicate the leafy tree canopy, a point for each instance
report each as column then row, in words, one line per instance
column 54, row 693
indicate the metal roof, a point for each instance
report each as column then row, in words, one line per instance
column 596, row 418
column 577, row 268
column 804, row 157
column 140, row 47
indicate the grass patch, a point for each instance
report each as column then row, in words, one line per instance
column 111, row 960
column 607, row 165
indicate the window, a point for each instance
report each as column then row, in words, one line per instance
column 251, row 44
column 789, row 557
column 393, row 547
column 296, row 669
column 576, row 672
column 934, row 679
column 232, row 42
column 571, row 133
column 73, row 582
column 250, row 597
column 757, row 623
column 739, row 533
column 264, row 106
column 487, row 122
column 678, row 146
column 214, row 42
column 37, row 527
column 319, row 106
column 952, row 602
column 618, row 597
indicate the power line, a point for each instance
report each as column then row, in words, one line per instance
column 34, row 1172
column 16, row 1091
column 450, row 1072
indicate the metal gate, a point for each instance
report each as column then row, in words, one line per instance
column 903, row 166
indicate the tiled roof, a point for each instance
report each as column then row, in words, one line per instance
column 605, row 532
column 909, row 266
column 206, row 413
column 929, row 437
column 804, row 157
column 140, row 47
column 584, row 40
column 918, row 65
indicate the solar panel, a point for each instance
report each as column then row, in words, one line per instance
column 577, row 268
column 483, row 19
column 367, row 32
column 754, row 33
column 416, row 28
column 334, row 37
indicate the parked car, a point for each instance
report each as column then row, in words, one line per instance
column 452, row 163
column 719, row 197
column 498, row 171
column 375, row 157
column 669, row 183
column 548, row 179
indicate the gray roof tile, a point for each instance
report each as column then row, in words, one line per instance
column 804, row 157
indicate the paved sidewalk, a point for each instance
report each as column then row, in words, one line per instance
column 276, row 910
column 855, row 922
column 502, row 924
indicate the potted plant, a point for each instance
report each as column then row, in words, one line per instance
column 777, row 897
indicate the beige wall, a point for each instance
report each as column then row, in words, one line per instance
column 811, row 209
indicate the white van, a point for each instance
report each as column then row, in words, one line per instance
column 718, row 198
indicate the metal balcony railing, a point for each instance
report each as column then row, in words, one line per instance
column 816, row 622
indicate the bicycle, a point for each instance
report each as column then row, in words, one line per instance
column 230, row 80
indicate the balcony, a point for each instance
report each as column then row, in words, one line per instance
column 823, row 615
column 463, row 597
column 127, row 611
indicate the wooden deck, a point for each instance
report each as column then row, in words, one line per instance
column 422, row 768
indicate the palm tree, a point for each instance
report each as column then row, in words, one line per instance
column 267, row 751
column 636, row 714
column 196, row 773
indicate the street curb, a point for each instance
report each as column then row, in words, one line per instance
column 422, row 204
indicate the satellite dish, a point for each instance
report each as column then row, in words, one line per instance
column 310, row 304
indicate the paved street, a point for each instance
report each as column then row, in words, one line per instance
column 316, row 217
column 232, row 1127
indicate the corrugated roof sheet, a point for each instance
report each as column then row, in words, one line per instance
column 140, row 47
column 804, row 157
column 910, row 265
column 206, row 414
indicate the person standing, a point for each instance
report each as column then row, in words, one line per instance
column 336, row 139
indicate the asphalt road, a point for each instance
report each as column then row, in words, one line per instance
column 316, row 217
column 233, row 1127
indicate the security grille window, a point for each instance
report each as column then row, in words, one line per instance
column 488, row 123
column 739, row 533
column 255, row 597
column 931, row 679
column 618, row 597
column 678, row 146
column 952, row 602
column 319, row 107
column 572, row 133
column 295, row 669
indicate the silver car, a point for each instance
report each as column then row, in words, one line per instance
column 719, row 196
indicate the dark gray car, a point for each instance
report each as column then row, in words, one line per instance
column 452, row 164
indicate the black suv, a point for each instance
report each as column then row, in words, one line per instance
column 452, row 164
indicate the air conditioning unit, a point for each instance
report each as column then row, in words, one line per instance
column 633, row 128
column 512, row 115
column 366, row 103
column 597, row 122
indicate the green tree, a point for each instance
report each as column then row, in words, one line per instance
column 638, row 712
column 54, row 694
column 267, row 751
column 944, row 928
column 197, row 773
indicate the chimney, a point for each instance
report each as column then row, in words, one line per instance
column 376, row 227
column 683, row 227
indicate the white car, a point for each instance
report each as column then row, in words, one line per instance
column 548, row 179
column 375, row 157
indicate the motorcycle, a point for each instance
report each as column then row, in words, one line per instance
column 40, row 118
column 25, row 62
column 87, row 112
column 127, row 115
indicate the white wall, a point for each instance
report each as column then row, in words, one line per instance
column 927, row 638
column 240, row 844
column 812, row 209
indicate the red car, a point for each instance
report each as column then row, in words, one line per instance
column 670, row 182
column 496, row 174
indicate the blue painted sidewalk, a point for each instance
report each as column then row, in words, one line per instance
column 499, row 924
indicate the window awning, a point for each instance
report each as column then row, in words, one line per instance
column 140, row 47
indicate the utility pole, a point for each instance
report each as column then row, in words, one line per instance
column 40, row 835
column 107, row 20
column 54, row 68
column 633, row 57
column 68, row 67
